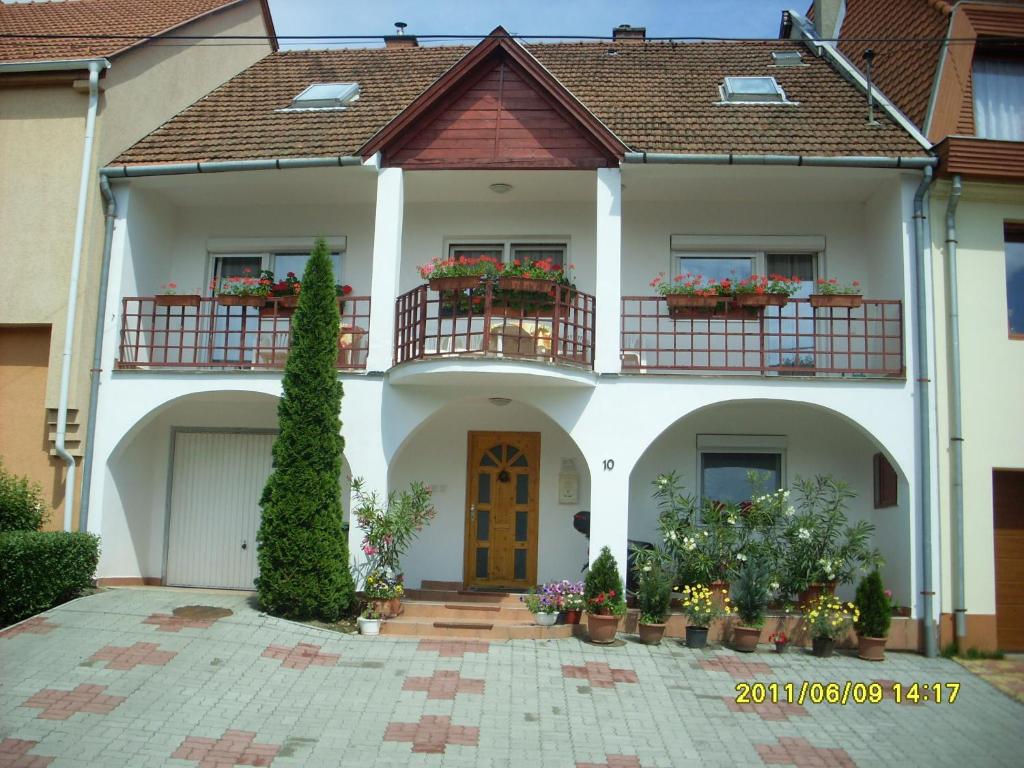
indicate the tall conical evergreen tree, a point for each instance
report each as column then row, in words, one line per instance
column 303, row 554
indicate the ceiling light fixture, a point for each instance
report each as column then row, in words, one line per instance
column 501, row 188
column 501, row 402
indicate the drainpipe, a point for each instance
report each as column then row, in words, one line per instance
column 923, row 387
column 956, row 440
column 76, row 264
column 109, row 215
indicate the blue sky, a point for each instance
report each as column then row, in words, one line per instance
column 663, row 18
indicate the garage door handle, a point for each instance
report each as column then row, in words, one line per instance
column 245, row 544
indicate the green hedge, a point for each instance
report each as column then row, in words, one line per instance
column 40, row 569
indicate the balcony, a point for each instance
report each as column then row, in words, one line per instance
column 794, row 340
column 204, row 333
column 484, row 324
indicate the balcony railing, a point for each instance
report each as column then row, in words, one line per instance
column 430, row 325
column 796, row 339
column 209, row 334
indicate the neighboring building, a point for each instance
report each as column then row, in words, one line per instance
column 44, row 102
column 625, row 158
column 967, row 94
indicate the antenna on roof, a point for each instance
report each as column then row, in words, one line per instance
column 869, row 56
column 400, row 27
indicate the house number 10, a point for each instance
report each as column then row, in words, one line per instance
column 609, row 465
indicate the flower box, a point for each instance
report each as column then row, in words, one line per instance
column 760, row 300
column 683, row 305
column 448, row 284
column 177, row 300
column 845, row 300
column 233, row 300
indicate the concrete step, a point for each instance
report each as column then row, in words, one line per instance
column 462, row 596
column 408, row 626
column 486, row 612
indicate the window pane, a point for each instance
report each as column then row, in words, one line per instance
column 476, row 251
column 296, row 262
column 481, row 563
column 519, row 572
column 483, row 495
column 522, row 489
column 724, row 475
column 1015, row 282
column 483, row 525
column 540, row 252
column 998, row 85
column 717, row 267
column 522, row 525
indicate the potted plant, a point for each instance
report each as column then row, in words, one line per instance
column 829, row 292
column 458, row 274
column 826, row 619
column 781, row 640
column 875, row 605
column 701, row 608
column 534, row 286
column 383, row 593
column 654, row 595
column 243, row 290
column 760, row 291
column 687, row 294
column 369, row 621
column 569, row 595
column 543, row 605
column 750, row 603
column 169, row 297
column 602, row 590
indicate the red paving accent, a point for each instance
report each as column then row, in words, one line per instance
column 783, row 710
column 165, row 622
column 803, row 754
column 233, row 748
column 614, row 761
column 888, row 693
column 60, row 705
column 300, row 656
column 444, row 684
column 450, row 648
column 432, row 734
column 599, row 674
column 37, row 625
column 14, row 754
column 132, row 656
column 739, row 669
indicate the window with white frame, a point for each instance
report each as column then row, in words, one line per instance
column 738, row 265
column 509, row 250
column 998, row 88
column 228, row 265
column 726, row 463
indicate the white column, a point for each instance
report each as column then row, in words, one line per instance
column 387, row 258
column 609, row 508
column 608, row 293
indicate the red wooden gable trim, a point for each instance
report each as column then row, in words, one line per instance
column 497, row 107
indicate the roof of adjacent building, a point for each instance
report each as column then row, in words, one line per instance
column 654, row 96
column 123, row 20
column 904, row 71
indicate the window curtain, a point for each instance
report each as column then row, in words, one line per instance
column 999, row 99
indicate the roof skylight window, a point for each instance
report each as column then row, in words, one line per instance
column 787, row 58
column 326, row 96
column 752, row 90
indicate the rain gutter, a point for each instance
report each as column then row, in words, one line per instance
column 227, row 166
column 846, row 161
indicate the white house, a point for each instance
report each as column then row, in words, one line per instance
column 626, row 159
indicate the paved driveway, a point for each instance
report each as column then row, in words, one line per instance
column 117, row 680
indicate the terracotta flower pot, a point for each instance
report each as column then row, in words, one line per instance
column 760, row 300
column 651, row 634
column 871, row 648
column 823, row 647
column 571, row 617
column 177, row 300
column 814, row 591
column 231, row 300
column 601, row 628
column 388, row 609
column 846, row 300
column 684, row 306
column 696, row 637
column 744, row 639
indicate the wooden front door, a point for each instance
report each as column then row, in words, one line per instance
column 502, row 509
column 1008, row 525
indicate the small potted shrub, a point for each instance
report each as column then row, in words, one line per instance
column 750, row 603
column 369, row 621
column 654, row 594
column 826, row 619
column 603, row 592
column 875, row 606
column 543, row 605
column 701, row 607
column 781, row 641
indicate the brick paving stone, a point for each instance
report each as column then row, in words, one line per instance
column 433, row 733
column 614, row 761
column 132, row 656
column 300, row 656
column 166, row 622
column 1005, row 674
column 233, row 748
column 767, row 710
column 443, row 684
column 37, row 625
column 60, row 705
column 889, row 693
column 453, row 648
column 599, row 674
column 735, row 666
column 14, row 754
column 801, row 753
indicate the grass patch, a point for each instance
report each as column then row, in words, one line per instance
column 346, row 626
column 952, row 650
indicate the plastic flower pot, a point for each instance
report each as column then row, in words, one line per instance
column 696, row 637
column 368, row 626
column 446, row 284
column 232, row 300
column 871, row 648
column 823, row 647
column 651, row 634
column 846, row 300
column 744, row 639
column 781, row 647
column 760, row 300
column 601, row 628
column 177, row 300
column 545, row 619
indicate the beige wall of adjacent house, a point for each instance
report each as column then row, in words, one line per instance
column 41, row 137
column 991, row 371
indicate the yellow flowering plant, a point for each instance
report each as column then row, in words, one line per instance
column 830, row 617
column 701, row 605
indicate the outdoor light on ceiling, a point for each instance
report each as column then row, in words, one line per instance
column 501, row 188
column 501, row 402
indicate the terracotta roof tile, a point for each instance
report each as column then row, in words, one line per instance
column 658, row 97
column 91, row 17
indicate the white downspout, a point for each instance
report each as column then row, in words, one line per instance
column 76, row 264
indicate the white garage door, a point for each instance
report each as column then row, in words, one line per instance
column 215, row 513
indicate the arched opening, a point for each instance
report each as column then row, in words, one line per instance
column 712, row 448
column 506, row 482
